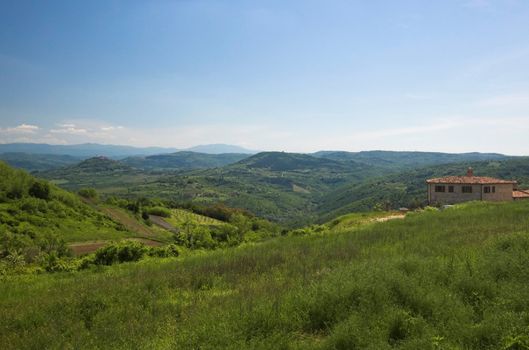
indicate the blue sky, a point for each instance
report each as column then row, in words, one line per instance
column 271, row 75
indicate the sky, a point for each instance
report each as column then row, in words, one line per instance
column 299, row 76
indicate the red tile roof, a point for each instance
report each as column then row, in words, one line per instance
column 468, row 180
column 520, row 194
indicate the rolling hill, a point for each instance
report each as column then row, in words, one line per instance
column 183, row 160
column 290, row 188
column 93, row 172
column 38, row 162
column 399, row 160
column 279, row 186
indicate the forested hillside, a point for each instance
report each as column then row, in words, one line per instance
column 183, row 160
column 34, row 162
column 294, row 189
column 395, row 160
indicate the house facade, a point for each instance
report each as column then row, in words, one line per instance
column 458, row 189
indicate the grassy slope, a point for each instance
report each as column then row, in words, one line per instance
column 62, row 214
column 436, row 280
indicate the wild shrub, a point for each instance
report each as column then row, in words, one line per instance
column 89, row 193
column 40, row 189
column 159, row 211
column 119, row 252
column 167, row 251
column 198, row 237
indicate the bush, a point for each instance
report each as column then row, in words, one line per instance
column 89, row 193
column 40, row 189
column 167, row 251
column 159, row 211
column 119, row 252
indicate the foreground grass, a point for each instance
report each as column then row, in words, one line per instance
column 437, row 280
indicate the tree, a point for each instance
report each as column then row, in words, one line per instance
column 40, row 189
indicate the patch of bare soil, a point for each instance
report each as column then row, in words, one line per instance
column 391, row 217
column 86, row 247
column 130, row 223
column 82, row 248
column 159, row 221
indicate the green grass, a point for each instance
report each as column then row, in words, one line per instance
column 455, row 279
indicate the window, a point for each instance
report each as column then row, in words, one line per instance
column 439, row 188
column 486, row 189
column 451, row 189
column 493, row 189
column 466, row 189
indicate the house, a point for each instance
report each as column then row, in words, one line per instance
column 457, row 189
column 520, row 194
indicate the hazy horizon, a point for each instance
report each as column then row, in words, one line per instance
column 301, row 76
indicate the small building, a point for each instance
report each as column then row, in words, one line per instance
column 458, row 189
column 520, row 194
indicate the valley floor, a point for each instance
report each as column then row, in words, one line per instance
column 455, row 279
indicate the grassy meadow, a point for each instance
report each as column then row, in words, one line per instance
column 453, row 279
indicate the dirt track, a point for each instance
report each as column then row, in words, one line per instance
column 391, row 217
column 129, row 223
column 159, row 221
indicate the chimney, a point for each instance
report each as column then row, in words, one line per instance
column 470, row 172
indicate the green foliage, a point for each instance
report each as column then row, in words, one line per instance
column 298, row 189
column 184, row 160
column 124, row 251
column 89, row 193
column 40, row 189
column 166, row 251
column 36, row 162
column 159, row 211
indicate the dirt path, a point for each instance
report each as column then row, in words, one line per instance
column 159, row 221
column 130, row 223
column 390, row 217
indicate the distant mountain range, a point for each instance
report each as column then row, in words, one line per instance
column 220, row 148
column 87, row 150
column 399, row 160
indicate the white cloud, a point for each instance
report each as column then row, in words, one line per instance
column 111, row 128
column 69, row 129
column 22, row 129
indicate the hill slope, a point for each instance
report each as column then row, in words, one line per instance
column 184, row 160
column 399, row 160
column 435, row 280
column 279, row 186
column 35, row 216
column 38, row 162
column 91, row 172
